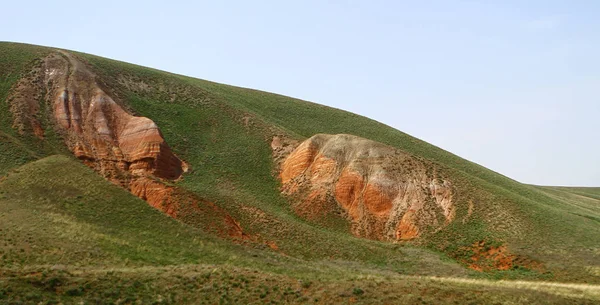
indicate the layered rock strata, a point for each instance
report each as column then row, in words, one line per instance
column 385, row 193
column 101, row 132
column 127, row 150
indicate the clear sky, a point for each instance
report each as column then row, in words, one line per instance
column 511, row 85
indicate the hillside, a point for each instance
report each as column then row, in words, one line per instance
column 250, row 197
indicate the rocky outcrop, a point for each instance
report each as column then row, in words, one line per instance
column 127, row 150
column 386, row 194
column 100, row 131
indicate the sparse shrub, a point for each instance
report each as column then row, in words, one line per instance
column 76, row 291
column 53, row 282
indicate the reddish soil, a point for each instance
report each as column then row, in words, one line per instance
column 386, row 194
column 486, row 257
column 99, row 130
column 182, row 205
column 490, row 257
column 127, row 150
column 406, row 229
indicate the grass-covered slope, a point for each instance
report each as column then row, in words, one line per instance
column 224, row 134
column 592, row 192
column 16, row 61
column 57, row 211
column 69, row 236
column 225, row 131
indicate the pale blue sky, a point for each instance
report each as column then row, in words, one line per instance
column 511, row 85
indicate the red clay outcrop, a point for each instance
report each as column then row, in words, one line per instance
column 384, row 192
column 184, row 205
column 485, row 257
column 99, row 130
column 125, row 149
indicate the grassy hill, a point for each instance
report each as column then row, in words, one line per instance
column 68, row 235
column 64, row 228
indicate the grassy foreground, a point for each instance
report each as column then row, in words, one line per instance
column 73, row 237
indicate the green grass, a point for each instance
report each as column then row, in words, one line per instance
column 69, row 236
column 14, row 153
column 592, row 192
column 210, row 284
column 15, row 150
column 56, row 211
column 224, row 133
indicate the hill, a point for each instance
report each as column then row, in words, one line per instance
column 239, row 220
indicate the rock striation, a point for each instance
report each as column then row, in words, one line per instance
column 101, row 132
column 385, row 193
column 127, row 150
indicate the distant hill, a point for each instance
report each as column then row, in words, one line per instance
column 120, row 182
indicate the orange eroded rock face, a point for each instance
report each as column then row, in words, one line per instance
column 182, row 205
column 101, row 131
column 157, row 194
column 406, row 228
column 387, row 194
column 127, row 150
column 348, row 190
column 298, row 161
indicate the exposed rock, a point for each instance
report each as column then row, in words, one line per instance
column 182, row 205
column 127, row 150
column 99, row 131
column 156, row 193
column 386, row 193
column 282, row 146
